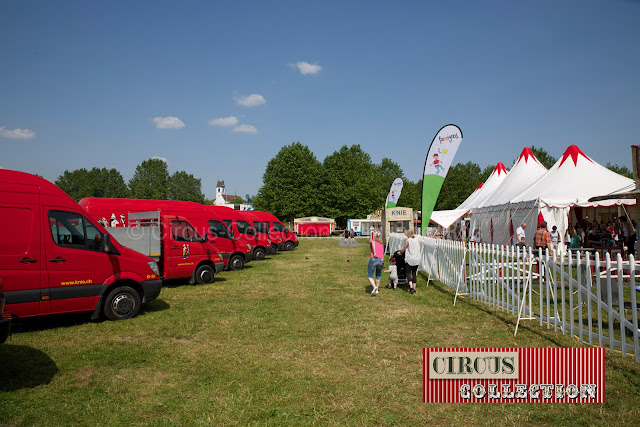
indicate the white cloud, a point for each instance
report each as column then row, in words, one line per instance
column 168, row 122
column 253, row 100
column 306, row 68
column 164, row 159
column 17, row 133
column 245, row 129
column 224, row 121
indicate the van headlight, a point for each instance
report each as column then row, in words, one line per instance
column 250, row 247
column 154, row 267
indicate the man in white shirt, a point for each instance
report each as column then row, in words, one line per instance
column 520, row 235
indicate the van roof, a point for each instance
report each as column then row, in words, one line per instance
column 45, row 187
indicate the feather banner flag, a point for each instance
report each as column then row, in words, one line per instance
column 439, row 158
column 394, row 193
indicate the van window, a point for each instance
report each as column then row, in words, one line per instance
column 183, row 232
column 260, row 228
column 67, row 229
column 228, row 222
column 243, row 227
column 279, row 227
column 218, row 229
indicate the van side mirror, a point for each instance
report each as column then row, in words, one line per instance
column 251, row 232
column 107, row 247
column 205, row 238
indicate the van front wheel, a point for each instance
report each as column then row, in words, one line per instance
column 236, row 262
column 204, row 275
column 288, row 246
column 259, row 254
column 122, row 303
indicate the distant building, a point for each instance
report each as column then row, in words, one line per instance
column 224, row 199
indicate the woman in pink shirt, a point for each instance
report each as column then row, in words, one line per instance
column 376, row 263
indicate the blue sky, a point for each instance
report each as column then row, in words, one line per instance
column 112, row 83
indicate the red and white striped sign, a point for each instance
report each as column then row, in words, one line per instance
column 486, row 375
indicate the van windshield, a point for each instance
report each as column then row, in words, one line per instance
column 279, row 227
column 260, row 227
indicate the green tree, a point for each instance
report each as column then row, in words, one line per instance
column 621, row 170
column 184, row 186
column 385, row 173
column 98, row 182
column 411, row 196
column 290, row 184
column 74, row 183
column 349, row 185
column 236, row 200
column 150, row 180
column 107, row 183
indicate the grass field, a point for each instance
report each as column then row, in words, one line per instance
column 296, row 339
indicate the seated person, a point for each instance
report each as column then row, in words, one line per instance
column 605, row 236
column 593, row 238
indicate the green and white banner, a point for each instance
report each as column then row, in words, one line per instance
column 394, row 193
column 439, row 158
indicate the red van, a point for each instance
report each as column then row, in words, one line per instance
column 152, row 228
column 261, row 228
column 241, row 227
column 55, row 259
column 289, row 239
column 234, row 251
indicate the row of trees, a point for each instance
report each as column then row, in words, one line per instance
column 346, row 184
column 151, row 180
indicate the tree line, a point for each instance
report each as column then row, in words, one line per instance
column 346, row 184
column 151, row 180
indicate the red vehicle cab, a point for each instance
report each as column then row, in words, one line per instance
column 261, row 229
column 275, row 226
column 241, row 227
column 180, row 250
column 234, row 251
column 55, row 259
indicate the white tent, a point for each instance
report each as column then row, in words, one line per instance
column 495, row 179
column 525, row 172
column 446, row 218
column 571, row 181
column 464, row 205
column 492, row 218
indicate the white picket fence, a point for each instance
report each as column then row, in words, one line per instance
column 593, row 300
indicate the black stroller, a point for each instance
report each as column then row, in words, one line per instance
column 402, row 267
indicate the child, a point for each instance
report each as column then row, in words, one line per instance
column 393, row 274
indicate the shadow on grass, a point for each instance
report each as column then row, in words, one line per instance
column 43, row 323
column 508, row 321
column 155, row 306
column 185, row 282
column 24, row 367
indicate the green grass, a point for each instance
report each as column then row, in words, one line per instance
column 296, row 339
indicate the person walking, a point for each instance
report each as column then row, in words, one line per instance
column 412, row 254
column 376, row 263
column 346, row 235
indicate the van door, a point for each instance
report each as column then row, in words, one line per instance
column 21, row 261
column 221, row 238
column 76, row 266
column 185, row 249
